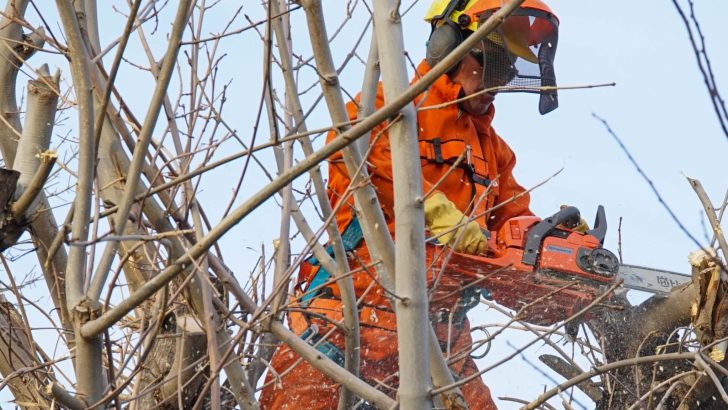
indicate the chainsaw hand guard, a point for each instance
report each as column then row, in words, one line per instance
column 600, row 225
column 568, row 216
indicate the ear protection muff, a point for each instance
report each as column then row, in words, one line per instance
column 443, row 39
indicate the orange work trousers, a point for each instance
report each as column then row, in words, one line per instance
column 298, row 385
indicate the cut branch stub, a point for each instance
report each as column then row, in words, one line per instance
column 9, row 230
column 8, row 181
column 710, row 307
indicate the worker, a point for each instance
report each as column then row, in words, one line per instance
column 467, row 168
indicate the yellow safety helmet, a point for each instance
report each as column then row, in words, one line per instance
column 527, row 39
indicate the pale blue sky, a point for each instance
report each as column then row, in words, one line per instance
column 659, row 107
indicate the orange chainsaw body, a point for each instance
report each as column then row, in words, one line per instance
column 555, row 280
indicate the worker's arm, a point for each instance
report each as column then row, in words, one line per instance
column 444, row 221
column 378, row 166
column 513, row 200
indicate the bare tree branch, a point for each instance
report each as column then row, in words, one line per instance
column 410, row 276
column 710, row 213
column 140, row 151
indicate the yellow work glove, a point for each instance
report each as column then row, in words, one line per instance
column 582, row 226
column 441, row 217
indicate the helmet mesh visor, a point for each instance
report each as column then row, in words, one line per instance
column 519, row 56
column 508, row 72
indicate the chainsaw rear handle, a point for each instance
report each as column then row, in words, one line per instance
column 568, row 216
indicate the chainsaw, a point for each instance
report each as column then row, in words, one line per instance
column 547, row 271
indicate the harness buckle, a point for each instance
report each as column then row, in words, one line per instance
column 437, row 147
column 480, row 180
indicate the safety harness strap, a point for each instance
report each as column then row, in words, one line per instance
column 447, row 152
column 313, row 338
column 469, row 299
column 351, row 237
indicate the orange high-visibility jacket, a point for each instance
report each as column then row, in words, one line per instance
column 445, row 134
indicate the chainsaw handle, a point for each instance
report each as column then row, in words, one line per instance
column 568, row 216
column 600, row 225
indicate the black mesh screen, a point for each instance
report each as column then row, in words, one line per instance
column 525, row 63
column 512, row 73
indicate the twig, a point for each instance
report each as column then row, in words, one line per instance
column 619, row 239
column 513, row 399
column 134, row 237
column 718, row 385
column 56, row 390
column 662, row 384
column 520, row 350
column 568, row 371
column 234, row 32
column 452, row 168
column 48, row 159
column 140, row 150
column 722, row 208
column 710, row 213
column 648, row 180
column 606, row 368
column 511, row 88
column 701, row 55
